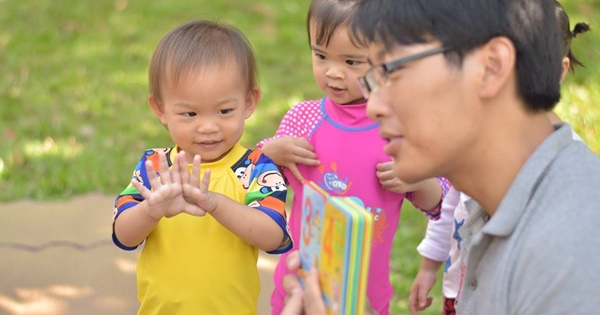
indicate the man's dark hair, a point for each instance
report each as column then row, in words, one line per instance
column 464, row 25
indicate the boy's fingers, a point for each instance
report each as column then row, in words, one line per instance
column 205, row 180
column 140, row 188
column 163, row 166
column 154, row 180
column 195, row 177
column 183, row 168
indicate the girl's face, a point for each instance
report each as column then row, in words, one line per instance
column 205, row 114
column 336, row 67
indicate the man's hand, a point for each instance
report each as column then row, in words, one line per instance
column 311, row 298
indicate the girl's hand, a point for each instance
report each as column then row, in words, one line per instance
column 389, row 181
column 166, row 197
column 290, row 151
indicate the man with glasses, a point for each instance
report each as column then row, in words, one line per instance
column 461, row 89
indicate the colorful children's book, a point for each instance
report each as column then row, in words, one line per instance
column 313, row 208
column 336, row 238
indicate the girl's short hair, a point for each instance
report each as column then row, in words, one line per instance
column 196, row 45
column 567, row 34
column 327, row 16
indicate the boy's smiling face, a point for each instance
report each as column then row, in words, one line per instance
column 206, row 112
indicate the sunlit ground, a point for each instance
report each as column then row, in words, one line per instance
column 56, row 258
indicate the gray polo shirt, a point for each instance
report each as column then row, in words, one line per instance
column 540, row 252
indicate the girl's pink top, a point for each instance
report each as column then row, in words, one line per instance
column 348, row 145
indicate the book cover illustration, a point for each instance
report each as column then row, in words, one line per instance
column 313, row 207
column 336, row 239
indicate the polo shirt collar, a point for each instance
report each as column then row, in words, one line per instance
column 515, row 201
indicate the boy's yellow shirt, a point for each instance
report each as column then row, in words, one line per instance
column 193, row 265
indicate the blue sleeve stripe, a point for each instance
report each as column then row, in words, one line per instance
column 121, row 246
column 123, row 208
column 287, row 240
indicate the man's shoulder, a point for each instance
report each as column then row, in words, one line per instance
column 576, row 166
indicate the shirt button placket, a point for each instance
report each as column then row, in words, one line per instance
column 473, row 284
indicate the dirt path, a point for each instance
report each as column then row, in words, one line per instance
column 56, row 258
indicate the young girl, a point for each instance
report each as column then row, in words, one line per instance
column 337, row 146
column 202, row 89
column 442, row 241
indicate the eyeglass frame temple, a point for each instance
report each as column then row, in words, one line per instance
column 394, row 65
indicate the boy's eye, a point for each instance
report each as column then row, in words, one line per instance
column 189, row 114
column 225, row 111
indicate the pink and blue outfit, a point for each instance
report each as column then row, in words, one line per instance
column 348, row 145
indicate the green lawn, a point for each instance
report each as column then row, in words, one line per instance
column 74, row 117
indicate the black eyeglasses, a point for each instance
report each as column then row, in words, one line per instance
column 378, row 74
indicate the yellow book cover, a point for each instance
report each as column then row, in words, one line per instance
column 335, row 263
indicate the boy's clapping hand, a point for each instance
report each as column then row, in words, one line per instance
column 194, row 191
column 166, row 197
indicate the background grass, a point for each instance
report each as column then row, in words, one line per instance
column 73, row 112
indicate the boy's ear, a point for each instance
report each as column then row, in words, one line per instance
column 157, row 108
column 499, row 64
column 252, row 100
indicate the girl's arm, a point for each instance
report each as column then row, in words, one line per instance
column 290, row 145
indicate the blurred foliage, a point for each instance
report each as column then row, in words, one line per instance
column 73, row 89
column 74, row 116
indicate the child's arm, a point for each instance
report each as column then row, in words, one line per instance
column 426, row 195
column 418, row 299
column 290, row 144
column 254, row 227
column 434, row 249
column 164, row 200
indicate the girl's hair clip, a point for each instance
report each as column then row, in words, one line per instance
column 579, row 28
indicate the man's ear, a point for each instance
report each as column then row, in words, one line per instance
column 499, row 61
column 157, row 108
column 252, row 100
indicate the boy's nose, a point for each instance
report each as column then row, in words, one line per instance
column 207, row 126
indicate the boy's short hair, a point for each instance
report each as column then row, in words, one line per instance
column 468, row 24
column 327, row 16
column 196, row 45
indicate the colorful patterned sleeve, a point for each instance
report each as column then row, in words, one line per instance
column 130, row 196
column 267, row 193
column 435, row 213
column 299, row 121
